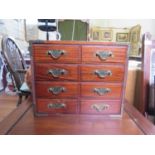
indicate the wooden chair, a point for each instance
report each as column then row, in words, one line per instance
column 148, row 73
column 15, row 65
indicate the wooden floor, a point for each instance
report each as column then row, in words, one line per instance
column 7, row 104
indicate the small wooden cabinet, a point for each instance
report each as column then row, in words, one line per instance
column 71, row 77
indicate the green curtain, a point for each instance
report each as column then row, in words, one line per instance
column 66, row 30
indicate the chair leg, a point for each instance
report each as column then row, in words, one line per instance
column 26, row 96
column 19, row 100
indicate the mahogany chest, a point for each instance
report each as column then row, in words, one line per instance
column 71, row 77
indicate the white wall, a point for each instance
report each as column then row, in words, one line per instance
column 147, row 25
column 14, row 28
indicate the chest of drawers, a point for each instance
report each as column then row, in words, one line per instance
column 71, row 77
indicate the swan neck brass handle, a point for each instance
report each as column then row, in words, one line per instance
column 57, row 90
column 100, row 107
column 103, row 55
column 102, row 91
column 55, row 54
column 57, row 72
column 56, row 105
column 103, row 73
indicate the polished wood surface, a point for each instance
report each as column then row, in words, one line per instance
column 45, row 106
column 117, row 73
column 81, row 81
column 114, row 90
column 71, row 54
column 14, row 116
column 70, row 89
column 70, row 72
column 143, row 123
column 73, row 42
column 147, row 46
column 89, row 54
column 7, row 104
column 99, row 107
column 131, row 123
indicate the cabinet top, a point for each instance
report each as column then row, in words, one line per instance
column 78, row 43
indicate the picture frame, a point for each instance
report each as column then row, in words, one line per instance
column 122, row 37
column 134, row 40
column 96, row 35
column 106, row 35
column 135, row 34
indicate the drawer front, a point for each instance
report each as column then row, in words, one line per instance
column 57, row 54
column 102, row 54
column 101, row 90
column 56, row 72
column 56, row 89
column 100, row 107
column 103, row 73
column 56, row 106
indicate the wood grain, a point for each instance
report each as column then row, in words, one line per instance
column 7, row 104
column 43, row 75
column 112, row 107
column 8, row 123
column 89, row 54
column 88, row 73
column 71, row 89
column 71, row 54
column 147, row 46
column 83, row 124
column 70, row 107
column 85, row 71
column 87, row 90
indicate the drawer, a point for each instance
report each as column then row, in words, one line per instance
column 54, row 72
column 57, row 53
column 100, row 107
column 56, row 106
column 103, row 54
column 57, row 89
column 103, row 73
column 101, row 90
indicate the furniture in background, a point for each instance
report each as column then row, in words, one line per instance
column 148, row 72
column 46, row 25
column 74, row 77
column 120, row 35
column 73, row 30
column 15, row 65
column 133, row 85
column 2, row 73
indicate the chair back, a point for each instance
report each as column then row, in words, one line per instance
column 14, row 59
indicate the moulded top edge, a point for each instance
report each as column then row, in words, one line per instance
column 79, row 42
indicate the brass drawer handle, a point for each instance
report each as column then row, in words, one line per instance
column 103, row 55
column 102, row 91
column 100, row 107
column 55, row 54
column 56, row 105
column 57, row 90
column 57, row 72
column 103, row 73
